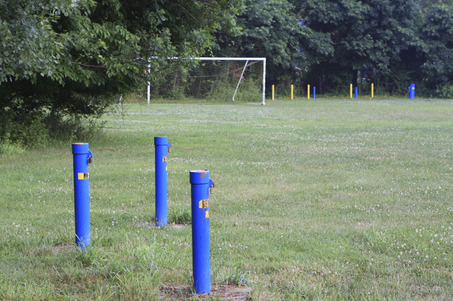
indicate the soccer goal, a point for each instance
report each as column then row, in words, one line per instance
column 222, row 78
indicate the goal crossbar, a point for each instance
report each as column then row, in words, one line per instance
column 247, row 59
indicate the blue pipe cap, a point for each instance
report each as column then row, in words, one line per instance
column 199, row 177
column 80, row 149
column 161, row 141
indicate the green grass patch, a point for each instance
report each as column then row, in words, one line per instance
column 326, row 199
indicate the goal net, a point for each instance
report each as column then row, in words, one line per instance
column 213, row 78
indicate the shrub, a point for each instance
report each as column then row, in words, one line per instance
column 445, row 91
column 6, row 148
column 34, row 129
column 23, row 129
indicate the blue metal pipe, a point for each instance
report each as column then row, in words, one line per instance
column 412, row 91
column 356, row 91
column 200, row 230
column 82, row 156
column 314, row 92
column 162, row 146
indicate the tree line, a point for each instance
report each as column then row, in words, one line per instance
column 63, row 59
column 332, row 43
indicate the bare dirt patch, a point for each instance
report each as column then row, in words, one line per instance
column 222, row 292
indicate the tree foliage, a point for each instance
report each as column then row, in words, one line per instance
column 336, row 42
column 272, row 29
column 438, row 33
column 60, row 57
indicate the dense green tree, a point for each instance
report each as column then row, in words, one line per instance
column 437, row 67
column 331, row 43
column 336, row 42
column 60, row 57
column 369, row 38
column 271, row 28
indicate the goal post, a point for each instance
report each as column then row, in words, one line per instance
column 242, row 64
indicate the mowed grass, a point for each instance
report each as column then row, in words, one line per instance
column 329, row 199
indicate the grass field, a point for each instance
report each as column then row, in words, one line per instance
column 331, row 199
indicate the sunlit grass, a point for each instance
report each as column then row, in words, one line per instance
column 313, row 199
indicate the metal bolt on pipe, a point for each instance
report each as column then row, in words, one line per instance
column 201, row 185
column 162, row 147
column 81, row 157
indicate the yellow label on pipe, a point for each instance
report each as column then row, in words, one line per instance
column 83, row 175
column 206, row 215
column 203, row 204
column 165, row 159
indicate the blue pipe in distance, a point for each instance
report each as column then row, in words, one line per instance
column 412, row 91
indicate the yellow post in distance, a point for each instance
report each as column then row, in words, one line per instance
column 308, row 91
column 372, row 90
column 292, row 92
column 273, row 92
column 350, row 90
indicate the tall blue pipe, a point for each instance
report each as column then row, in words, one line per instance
column 200, row 230
column 162, row 146
column 356, row 92
column 314, row 92
column 412, row 91
column 82, row 156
